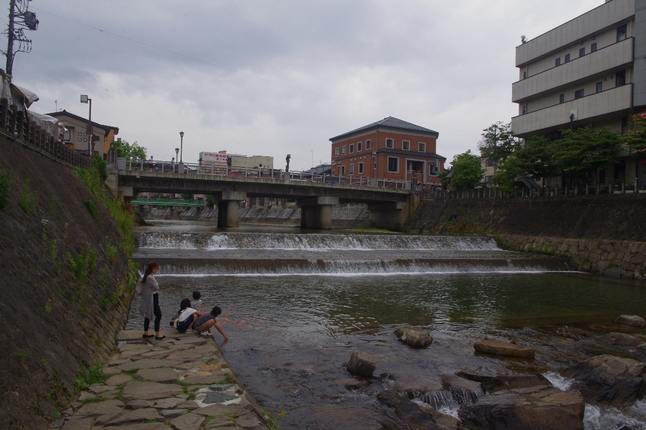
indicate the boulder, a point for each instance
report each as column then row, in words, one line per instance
column 533, row 408
column 495, row 382
column 609, row 378
column 362, row 364
column 495, row 347
column 414, row 416
column 413, row 336
column 623, row 339
column 631, row 321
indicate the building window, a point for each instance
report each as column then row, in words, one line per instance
column 567, row 58
column 390, row 143
column 432, row 168
column 421, row 146
column 367, row 145
column 593, row 47
column 360, row 168
column 336, row 152
column 489, row 163
column 67, row 136
column 393, row 164
column 351, row 169
column 406, row 145
column 351, row 148
column 524, row 74
column 358, row 146
column 558, row 62
column 488, row 179
column 599, row 87
column 343, row 150
column 620, row 78
column 561, row 98
column 582, row 52
column 578, row 94
column 621, row 33
column 523, row 109
column 342, row 170
column 374, row 165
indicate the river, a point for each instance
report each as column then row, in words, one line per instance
column 296, row 304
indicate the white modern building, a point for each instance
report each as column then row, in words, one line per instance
column 589, row 71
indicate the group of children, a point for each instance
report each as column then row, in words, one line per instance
column 190, row 315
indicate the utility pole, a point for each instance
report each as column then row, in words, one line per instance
column 20, row 18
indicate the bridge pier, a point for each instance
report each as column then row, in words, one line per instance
column 388, row 215
column 316, row 212
column 229, row 208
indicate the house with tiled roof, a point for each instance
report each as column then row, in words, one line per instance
column 390, row 149
column 77, row 135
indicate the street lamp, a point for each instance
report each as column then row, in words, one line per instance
column 176, row 159
column 90, row 145
column 181, row 144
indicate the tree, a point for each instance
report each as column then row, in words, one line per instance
column 581, row 152
column 467, row 171
column 636, row 136
column 497, row 142
column 127, row 150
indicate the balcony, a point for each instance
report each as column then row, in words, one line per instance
column 595, row 63
column 599, row 18
column 558, row 116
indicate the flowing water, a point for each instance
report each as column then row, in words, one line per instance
column 296, row 305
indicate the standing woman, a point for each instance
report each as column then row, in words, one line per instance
column 150, row 300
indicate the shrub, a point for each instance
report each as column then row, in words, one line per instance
column 84, row 264
column 91, row 207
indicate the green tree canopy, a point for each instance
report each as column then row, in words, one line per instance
column 579, row 153
column 467, row 171
column 636, row 136
column 127, row 150
column 497, row 142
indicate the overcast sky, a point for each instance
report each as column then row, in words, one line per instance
column 271, row 77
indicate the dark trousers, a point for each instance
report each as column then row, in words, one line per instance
column 157, row 312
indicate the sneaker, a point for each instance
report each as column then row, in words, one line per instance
column 206, row 333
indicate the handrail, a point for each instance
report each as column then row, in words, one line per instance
column 263, row 174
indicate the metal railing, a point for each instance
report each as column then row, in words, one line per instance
column 16, row 124
column 257, row 173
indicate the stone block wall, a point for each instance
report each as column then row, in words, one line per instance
column 616, row 258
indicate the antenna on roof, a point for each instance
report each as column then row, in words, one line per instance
column 523, row 39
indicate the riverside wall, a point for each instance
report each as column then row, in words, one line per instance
column 603, row 234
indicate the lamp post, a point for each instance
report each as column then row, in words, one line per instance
column 181, row 144
column 90, row 145
column 176, row 159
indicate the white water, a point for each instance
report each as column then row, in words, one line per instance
column 608, row 417
column 558, row 381
column 214, row 241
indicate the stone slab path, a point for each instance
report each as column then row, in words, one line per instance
column 181, row 382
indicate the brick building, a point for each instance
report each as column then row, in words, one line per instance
column 388, row 149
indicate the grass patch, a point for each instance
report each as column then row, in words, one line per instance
column 5, row 188
column 28, row 198
column 111, row 253
column 94, row 376
column 91, row 207
column 84, row 263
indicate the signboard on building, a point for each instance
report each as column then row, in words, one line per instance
column 214, row 157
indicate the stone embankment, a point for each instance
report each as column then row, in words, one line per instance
column 180, row 382
column 616, row 258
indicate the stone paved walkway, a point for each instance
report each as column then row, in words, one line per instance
column 181, row 382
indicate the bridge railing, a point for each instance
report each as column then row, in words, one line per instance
column 261, row 173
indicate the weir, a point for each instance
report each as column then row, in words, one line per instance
column 334, row 254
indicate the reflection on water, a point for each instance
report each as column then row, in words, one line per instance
column 291, row 336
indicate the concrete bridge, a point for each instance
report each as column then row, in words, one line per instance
column 388, row 206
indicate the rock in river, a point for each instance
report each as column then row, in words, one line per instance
column 494, row 347
column 413, row 336
column 631, row 320
column 361, row 363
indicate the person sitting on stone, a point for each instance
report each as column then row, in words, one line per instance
column 205, row 321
